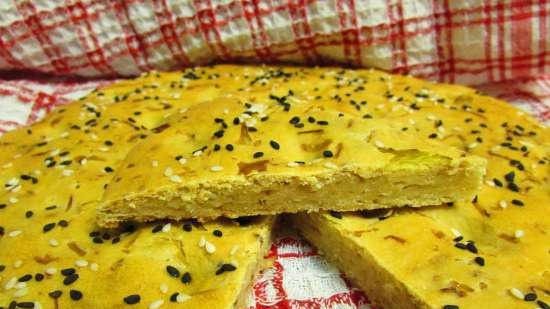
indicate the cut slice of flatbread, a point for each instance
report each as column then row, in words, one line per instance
column 53, row 255
column 491, row 252
column 231, row 158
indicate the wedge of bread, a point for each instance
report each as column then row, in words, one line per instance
column 52, row 253
column 490, row 252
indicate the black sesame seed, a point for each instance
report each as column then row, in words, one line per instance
column 97, row 240
column 217, row 147
column 94, row 234
column 327, row 154
column 459, row 238
column 497, row 182
column 55, row 294
column 224, row 268
column 12, row 305
column 2, row 267
column 2, row 206
column 157, row 228
column 310, row 119
column 75, row 294
column 479, row 261
column 218, row 120
column 68, row 271
column 229, row 147
column 219, row 134
column 172, row 271
column 258, row 154
column 25, row 278
column 28, row 214
column 48, row 227
column 517, row 202
column 52, row 207
column 25, row 304
column 108, row 143
column 236, row 120
column 174, row 297
column 510, row 177
column 322, row 123
column 252, row 129
column 70, row 279
column 530, row 297
column 294, row 120
column 109, row 169
column 132, row 299
column 471, row 247
column 115, row 240
column 187, row 226
column 450, row 307
column 460, row 245
column 542, row 304
column 513, row 187
column 186, row 278
column 336, row 214
column 217, row 233
column 274, row 145
column 63, row 223
column 433, row 135
column 39, row 277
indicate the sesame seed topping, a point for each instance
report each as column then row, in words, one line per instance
column 503, row 204
column 163, row 288
column 530, row 297
column 14, row 233
column 180, row 298
column 186, row 278
column 132, row 299
column 175, row 178
column 225, row 268
column 292, row 164
column 519, row 233
column 182, row 160
column 75, row 294
column 217, row 233
column 517, row 293
column 209, row 247
column 450, row 307
column 479, row 261
column 379, row 144
column 327, row 154
column 216, row 168
column 50, row 271
column 70, row 279
column 274, row 145
column 258, row 154
column 172, row 271
column 168, row 172
column 517, row 202
column 156, row 304
column 55, row 294
column 53, row 242
column 48, row 227
column 81, row 263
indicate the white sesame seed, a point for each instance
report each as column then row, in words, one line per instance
column 94, row 267
column 18, row 264
column 472, row 145
column 197, row 153
column 13, row 200
column 210, row 248
column 54, row 152
column 517, row 293
column 519, row 233
column 380, row 106
column 37, row 305
column 163, row 288
column 431, row 117
column 10, row 284
column 64, row 134
column 292, row 164
column 53, row 242
column 14, row 233
column 330, row 165
column 503, row 204
column 20, row 285
column 83, row 161
column 67, row 172
column 441, row 129
column 167, row 227
column 182, row 161
column 168, row 172
column 216, row 168
column 175, row 178
column 456, row 232
column 103, row 149
column 21, row 293
column 490, row 183
column 234, row 249
column 50, row 271
column 379, row 144
column 154, row 163
column 156, row 304
column 81, row 263
column 202, row 241
column 182, row 298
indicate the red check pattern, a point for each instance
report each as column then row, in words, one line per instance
column 473, row 42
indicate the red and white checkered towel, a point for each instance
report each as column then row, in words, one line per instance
column 503, row 47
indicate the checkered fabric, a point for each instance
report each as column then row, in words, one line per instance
column 466, row 41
